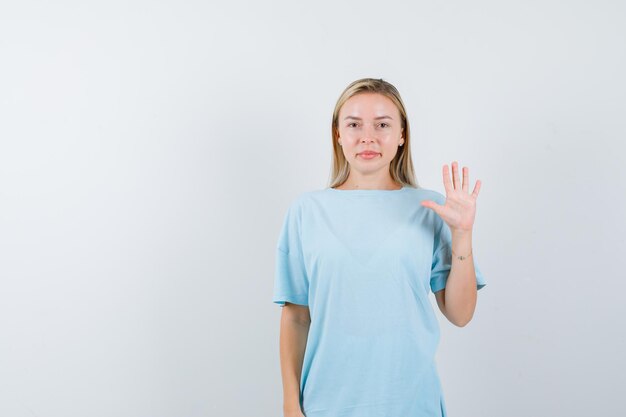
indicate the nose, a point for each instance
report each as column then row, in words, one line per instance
column 368, row 135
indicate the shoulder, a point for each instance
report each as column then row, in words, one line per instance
column 299, row 204
column 430, row 217
column 309, row 197
column 427, row 194
column 302, row 199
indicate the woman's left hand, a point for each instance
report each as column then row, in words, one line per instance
column 459, row 209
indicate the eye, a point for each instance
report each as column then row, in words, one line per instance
column 352, row 123
column 384, row 124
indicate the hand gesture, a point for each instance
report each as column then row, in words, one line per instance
column 459, row 209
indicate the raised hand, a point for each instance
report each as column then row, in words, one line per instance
column 459, row 209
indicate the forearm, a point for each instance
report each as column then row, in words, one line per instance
column 293, row 337
column 461, row 292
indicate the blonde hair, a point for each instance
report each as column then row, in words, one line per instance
column 401, row 167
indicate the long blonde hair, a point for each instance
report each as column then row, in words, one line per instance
column 401, row 167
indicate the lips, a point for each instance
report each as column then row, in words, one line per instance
column 368, row 155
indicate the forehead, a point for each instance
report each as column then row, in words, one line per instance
column 369, row 104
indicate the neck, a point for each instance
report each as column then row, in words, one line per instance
column 365, row 185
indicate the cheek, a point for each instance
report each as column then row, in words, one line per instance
column 393, row 134
column 345, row 133
column 389, row 141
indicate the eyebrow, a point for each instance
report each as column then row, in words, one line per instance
column 375, row 118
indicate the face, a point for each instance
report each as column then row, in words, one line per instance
column 370, row 122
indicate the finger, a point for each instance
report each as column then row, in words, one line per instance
column 465, row 179
column 455, row 175
column 476, row 189
column 447, row 184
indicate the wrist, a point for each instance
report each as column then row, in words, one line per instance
column 461, row 244
column 461, row 233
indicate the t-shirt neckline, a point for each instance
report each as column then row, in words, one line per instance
column 368, row 192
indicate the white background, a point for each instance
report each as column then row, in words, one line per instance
column 149, row 150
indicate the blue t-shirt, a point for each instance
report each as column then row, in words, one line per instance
column 364, row 262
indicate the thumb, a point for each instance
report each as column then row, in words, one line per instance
column 431, row 205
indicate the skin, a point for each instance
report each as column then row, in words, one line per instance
column 369, row 121
column 372, row 121
column 294, row 330
column 457, row 301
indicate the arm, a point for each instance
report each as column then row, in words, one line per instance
column 457, row 301
column 294, row 329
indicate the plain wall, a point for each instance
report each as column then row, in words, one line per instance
column 149, row 150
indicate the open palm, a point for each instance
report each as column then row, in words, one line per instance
column 459, row 209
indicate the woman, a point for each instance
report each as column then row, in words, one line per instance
column 354, row 266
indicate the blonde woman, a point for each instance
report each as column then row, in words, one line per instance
column 355, row 263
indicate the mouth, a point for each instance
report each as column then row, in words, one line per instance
column 368, row 155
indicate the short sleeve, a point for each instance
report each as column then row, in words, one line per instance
column 442, row 259
column 291, row 283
